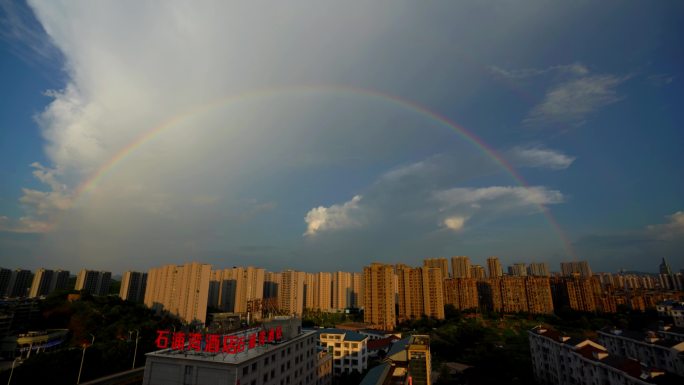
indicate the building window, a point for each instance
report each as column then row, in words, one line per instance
column 245, row 370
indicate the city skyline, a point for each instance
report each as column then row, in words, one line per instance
column 325, row 137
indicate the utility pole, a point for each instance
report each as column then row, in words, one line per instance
column 12, row 371
column 85, row 346
column 135, row 352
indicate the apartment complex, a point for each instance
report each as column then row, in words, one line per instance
column 15, row 283
column 646, row 347
column 510, row 294
column 93, row 282
column 460, row 267
column 494, row 267
column 133, row 285
column 182, row 290
column 461, row 293
column 421, row 292
column 47, row 281
column 440, row 263
column 568, row 269
column 237, row 290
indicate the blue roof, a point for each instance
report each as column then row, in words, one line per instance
column 398, row 346
column 349, row 335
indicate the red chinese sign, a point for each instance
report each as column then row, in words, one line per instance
column 215, row 343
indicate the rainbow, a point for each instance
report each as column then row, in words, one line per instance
column 90, row 184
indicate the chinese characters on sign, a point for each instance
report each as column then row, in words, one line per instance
column 216, row 343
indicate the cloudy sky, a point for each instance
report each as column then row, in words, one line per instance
column 322, row 136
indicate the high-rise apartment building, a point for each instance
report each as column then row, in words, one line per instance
column 576, row 292
column 378, row 291
column 342, row 290
column 569, row 269
column 309, row 289
column 538, row 292
column 460, row 267
column 494, row 267
column 291, row 292
column 421, row 292
column 357, row 290
column 133, row 285
column 538, row 270
column 182, row 290
column 477, row 272
column 18, row 282
column 665, row 268
column 323, row 291
column 517, row 269
column 510, row 294
column 441, row 263
column 461, row 293
column 238, row 290
column 47, row 281
column 93, row 282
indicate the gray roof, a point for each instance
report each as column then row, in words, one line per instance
column 398, row 346
column 349, row 335
column 377, row 375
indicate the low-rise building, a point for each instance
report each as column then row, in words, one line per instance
column 248, row 357
column 408, row 362
column 647, row 348
column 562, row 360
column 348, row 348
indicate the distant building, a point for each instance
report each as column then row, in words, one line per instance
column 568, row 269
column 511, row 294
column 291, row 292
column 323, row 291
column 665, row 268
column 494, row 267
column 238, row 290
column 461, row 293
column 518, row 269
column 349, row 349
column 182, row 290
column 421, row 292
column 477, row 272
column 378, row 290
column 440, row 263
column 93, row 282
column 341, row 290
column 133, row 285
column 538, row 270
column 18, row 283
column 48, row 281
column 460, row 267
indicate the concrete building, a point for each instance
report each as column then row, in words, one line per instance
column 342, row 290
column 349, row 349
column 672, row 309
column 357, row 290
column 460, row 267
column 238, row 290
column 243, row 359
column 518, row 269
column 408, row 362
column 47, row 281
column 461, row 293
column 378, row 291
column 561, row 360
column 182, row 290
column 93, row 282
column 538, row 270
column 440, row 263
column 539, row 298
column 421, row 292
column 478, row 272
column 511, row 294
column 133, row 285
column 291, row 292
column 18, row 283
column 646, row 347
column 494, row 267
column 324, row 370
column 323, row 292
column 568, row 269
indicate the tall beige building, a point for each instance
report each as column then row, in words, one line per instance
column 441, row 263
column 421, row 292
column 538, row 291
column 477, row 272
column 461, row 293
column 342, row 290
column 378, row 292
column 182, row 290
column 494, row 267
column 93, row 282
column 291, row 292
column 460, row 267
column 323, row 292
column 357, row 290
column 238, row 290
column 309, row 289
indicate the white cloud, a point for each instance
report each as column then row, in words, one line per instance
column 674, row 228
column 335, row 217
column 503, row 196
column 455, row 223
column 572, row 101
column 576, row 69
column 540, row 157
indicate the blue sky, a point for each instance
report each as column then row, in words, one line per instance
column 315, row 136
